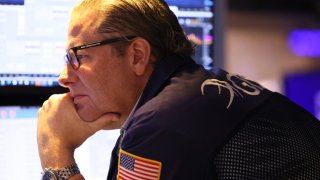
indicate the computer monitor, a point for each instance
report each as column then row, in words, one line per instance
column 196, row 19
column 33, row 36
column 19, row 153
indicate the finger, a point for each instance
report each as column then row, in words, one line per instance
column 44, row 105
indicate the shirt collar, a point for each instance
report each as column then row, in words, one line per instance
column 163, row 70
column 131, row 113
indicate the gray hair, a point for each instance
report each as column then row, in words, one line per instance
column 149, row 19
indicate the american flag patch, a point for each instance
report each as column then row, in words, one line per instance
column 132, row 167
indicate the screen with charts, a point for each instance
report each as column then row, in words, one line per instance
column 33, row 36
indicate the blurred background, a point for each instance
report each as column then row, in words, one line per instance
column 274, row 42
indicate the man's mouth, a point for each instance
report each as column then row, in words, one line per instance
column 78, row 98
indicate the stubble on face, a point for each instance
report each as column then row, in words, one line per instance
column 108, row 84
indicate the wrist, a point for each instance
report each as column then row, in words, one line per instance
column 56, row 158
column 63, row 173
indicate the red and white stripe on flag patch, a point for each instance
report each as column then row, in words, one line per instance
column 132, row 167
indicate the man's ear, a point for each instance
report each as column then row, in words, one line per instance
column 141, row 55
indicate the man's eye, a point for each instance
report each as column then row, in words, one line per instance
column 81, row 57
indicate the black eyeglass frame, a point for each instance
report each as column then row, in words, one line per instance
column 72, row 57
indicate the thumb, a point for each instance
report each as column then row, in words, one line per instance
column 107, row 121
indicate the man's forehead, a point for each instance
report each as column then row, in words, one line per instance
column 79, row 32
column 75, row 30
column 74, row 33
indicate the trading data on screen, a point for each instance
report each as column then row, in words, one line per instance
column 196, row 18
column 33, row 35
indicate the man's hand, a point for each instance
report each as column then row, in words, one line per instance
column 61, row 130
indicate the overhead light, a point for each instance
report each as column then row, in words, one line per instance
column 305, row 43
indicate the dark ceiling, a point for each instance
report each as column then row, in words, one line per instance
column 296, row 6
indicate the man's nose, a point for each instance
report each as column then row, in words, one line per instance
column 67, row 77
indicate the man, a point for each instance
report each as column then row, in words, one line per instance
column 129, row 67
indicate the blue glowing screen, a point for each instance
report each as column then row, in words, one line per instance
column 304, row 89
column 305, row 43
column 20, row 2
column 190, row 3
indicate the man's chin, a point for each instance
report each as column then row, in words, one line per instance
column 90, row 114
column 87, row 117
column 87, row 114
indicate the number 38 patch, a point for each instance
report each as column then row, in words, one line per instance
column 132, row 167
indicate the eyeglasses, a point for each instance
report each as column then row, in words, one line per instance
column 72, row 57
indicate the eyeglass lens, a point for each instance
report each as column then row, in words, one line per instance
column 72, row 58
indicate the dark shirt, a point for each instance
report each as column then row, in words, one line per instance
column 191, row 123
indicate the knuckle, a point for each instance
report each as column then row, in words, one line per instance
column 52, row 97
column 40, row 111
column 45, row 104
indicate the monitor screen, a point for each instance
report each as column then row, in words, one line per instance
column 33, row 36
column 18, row 127
column 304, row 89
column 196, row 19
